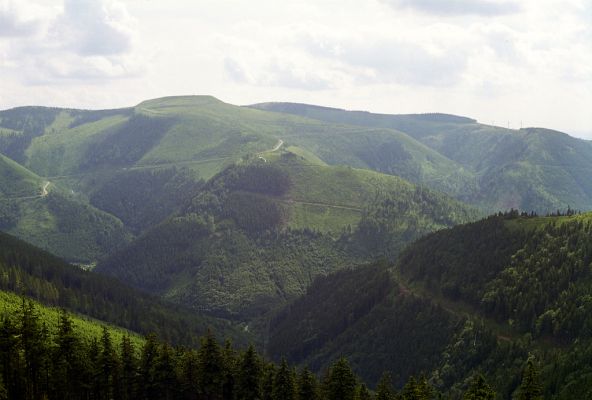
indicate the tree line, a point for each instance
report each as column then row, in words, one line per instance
column 38, row 364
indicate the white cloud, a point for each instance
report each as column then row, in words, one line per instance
column 94, row 28
column 81, row 40
column 499, row 60
column 13, row 22
column 394, row 61
column 459, row 7
column 235, row 71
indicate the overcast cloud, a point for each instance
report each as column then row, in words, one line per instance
column 500, row 61
column 12, row 24
column 459, row 7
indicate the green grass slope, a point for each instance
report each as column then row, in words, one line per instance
column 261, row 230
column 529, row 169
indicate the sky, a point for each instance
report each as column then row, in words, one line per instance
column 504, row 62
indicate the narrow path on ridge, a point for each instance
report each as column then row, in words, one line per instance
column 310, row 203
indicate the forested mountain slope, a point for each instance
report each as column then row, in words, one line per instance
column 478, row 297
column 260, row 231
column 27, row 270
column 528, row 169
column 47, row 216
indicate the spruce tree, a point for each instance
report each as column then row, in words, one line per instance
column 67, row 379
column 249, row 376
column 189, row 385
column 412, row 390
column 307, row 385
column 479, row 390
column 426, row 391
column 33, row 342
column 283, row 383
column 10, row 360
column 147, row 378
column 210, row 368
column 268, row 375
column 129, row 373
column 229, row 360
column 362, row 393
column 107, row 367
column 164, row 374
column 384, row 389
column 92, row 373
column 530, row 388
column 341, row 382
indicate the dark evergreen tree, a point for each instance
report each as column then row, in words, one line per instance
column 479, row 390
column 164, row 374
column 67, row 379
column 129, row 372
column 283, row 383
column 92, row 374
column 268, row 375
column 307, row 385
column 210, row 369
column 384, row 389
column 34, row 345
column 107, row 367
column 189, row 375
column 341, row 382
column 147, row 374
column 530, row 388
column 229, row 359
column 249, row 376
column 362, row 393
column 412, row 390
column 10, row 359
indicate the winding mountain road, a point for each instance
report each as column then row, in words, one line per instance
column 44, row 193
column 279, row 144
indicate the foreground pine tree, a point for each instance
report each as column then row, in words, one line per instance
column 210, row 369
column 283, row 383
column 129, row 376
column 249, row 376
column 385, row 390
column 530, row 388
column 363, row 393
column 307, row 385
column 479, row 390
column 341, row 382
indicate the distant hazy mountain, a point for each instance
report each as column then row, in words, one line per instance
column 528, row 169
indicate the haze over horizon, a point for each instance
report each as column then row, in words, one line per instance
column 498, row 61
